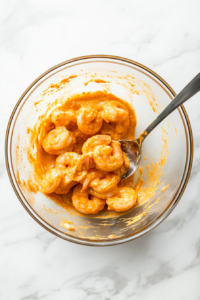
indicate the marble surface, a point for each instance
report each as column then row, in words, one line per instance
column 34, row 36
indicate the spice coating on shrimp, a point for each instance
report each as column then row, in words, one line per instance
column 83, row 204
column 109, row 158
column 51, row 181
column 74, row 149
column 115, row 113
column 63, row 118
column 124, row 200
column 97, row 140
column 91, row 175
column 89, row 120
column 105, row 195
column 103, row 185
column 58, row 141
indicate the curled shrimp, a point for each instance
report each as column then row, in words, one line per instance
column 105, row 195
column 97, row 140
column 67, row 163
column 83, row 204
column 51, row 181
column 116, row 116
column 58, row 141
column 85, row 163
column 67, row 159
column 108, row 158
column 74, row 166
column 104, row 188
column 89, row 120
column 63, row 118
column 91, row 175
column 124, row 200
column 106, row 184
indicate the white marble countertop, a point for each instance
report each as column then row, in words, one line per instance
column 36, row 35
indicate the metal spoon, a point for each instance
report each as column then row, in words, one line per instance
column 133, row 149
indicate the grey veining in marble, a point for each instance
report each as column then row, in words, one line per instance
column 36, row 35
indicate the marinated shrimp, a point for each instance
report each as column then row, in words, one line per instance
column 83, row 204
column 66, row 164
column 116, row 114
column 51, row 180
column 106, row 187
column 63, row 118
column 91, row 175
column 108, row 158
column 89, row 120
column 83, row 154
column 58, row 141
column 65, row 185
column 97, row 140
column 85, row 163
column 105, row 195
column 124, row 200
column 106, row 184
column 75, row 168
column 67, row 159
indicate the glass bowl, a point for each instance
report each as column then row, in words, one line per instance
column 107, row 229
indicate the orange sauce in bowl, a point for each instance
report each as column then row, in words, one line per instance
column 43, row 161
column 148, row 180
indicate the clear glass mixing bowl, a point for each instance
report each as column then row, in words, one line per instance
column 107, row 230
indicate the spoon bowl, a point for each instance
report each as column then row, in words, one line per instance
column 132, row 149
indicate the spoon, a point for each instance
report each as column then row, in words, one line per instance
column 133, row 149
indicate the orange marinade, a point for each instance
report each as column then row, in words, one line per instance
column 43, row 162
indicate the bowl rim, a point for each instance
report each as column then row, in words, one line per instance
column 166, row 212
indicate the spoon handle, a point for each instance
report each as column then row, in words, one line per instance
column 190, row 90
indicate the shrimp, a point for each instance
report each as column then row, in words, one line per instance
column 97, row 140
column 124, row 200
column 107, row 184
column 85, row 163
column 51, row 181
column 105, row 195
column 108, row 158
column 83, row 204
column 67, row 163
column 102, row 188
column 67, row 159
column 63, row 118
column 58, row 141
column 116, row 115
column 65, row 185
column 91, row 175
column 74, row 164
column 89, row 120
